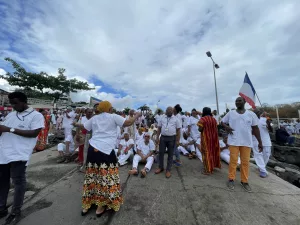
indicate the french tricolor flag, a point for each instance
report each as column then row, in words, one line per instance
column 247, row 91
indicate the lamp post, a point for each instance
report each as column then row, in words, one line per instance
column 215, row 66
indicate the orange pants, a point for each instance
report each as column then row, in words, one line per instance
column 245, row 157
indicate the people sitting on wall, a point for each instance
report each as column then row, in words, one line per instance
column 283, row 137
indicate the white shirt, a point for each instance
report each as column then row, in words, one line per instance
column 125, row 144
column 217, row 118
column 264, row 133
column 67, row 122
column 179, row 117
column 138, row 137
column 222, row 145
column 157, row 117
column 194, row 127
column 104, row 128
column 146, row 149
column 168, row 125
column 70, row 139
column 242, row 127
column 14, row 147
column 83, row 120
column 186, row 141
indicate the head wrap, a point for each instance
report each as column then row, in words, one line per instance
column 104, row 106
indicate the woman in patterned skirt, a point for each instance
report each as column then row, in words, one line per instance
column 102, row 182
column 210, row 147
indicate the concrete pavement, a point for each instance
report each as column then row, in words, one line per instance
column 188, row 197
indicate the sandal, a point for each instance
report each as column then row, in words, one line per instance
column 204, row 172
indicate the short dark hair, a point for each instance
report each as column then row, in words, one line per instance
column 19, row 95
column 178, row 108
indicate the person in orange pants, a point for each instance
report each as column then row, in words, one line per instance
column 240, row 124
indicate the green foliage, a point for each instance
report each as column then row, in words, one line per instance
column 158, row 110
column 144, row 108
column 34, row 84
column 126, row 110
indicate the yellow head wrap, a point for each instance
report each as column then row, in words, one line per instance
column 104, row 106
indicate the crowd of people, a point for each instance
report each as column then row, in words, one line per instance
column 107, row 140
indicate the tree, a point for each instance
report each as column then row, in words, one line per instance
column 158, row 110
column 144, row 108
column 35, row 84
column 126, row 110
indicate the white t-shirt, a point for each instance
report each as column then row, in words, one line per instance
column 14, row 147
column 70, row 139
column 264, row 133
column 217, row 118
column 194, row 127
column 157, row 117
column 242, row 127
column 178, row 116
column 83, row 120
column 104, row 128
column 67, row 122
column 146, row 149
column 126, row 144
column 138, row 137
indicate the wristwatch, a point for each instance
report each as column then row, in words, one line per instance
column 12, row 130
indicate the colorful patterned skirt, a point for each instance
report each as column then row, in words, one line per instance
column 101, row 185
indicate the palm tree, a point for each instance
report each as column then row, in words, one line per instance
column 126, row 110
column 144, row 108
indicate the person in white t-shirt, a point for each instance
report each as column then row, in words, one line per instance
column 139, row 135
column 216, row 116
column 125, row 149
column 67, row 148
column 102, row 171
column 18, row 137
column 144, row 154
column 157, row 117
column 262, row 158
column 68, row 119
column 177, row 113
column 242, row 123
column 186, row 146
column 193, row 131
column 225, row 153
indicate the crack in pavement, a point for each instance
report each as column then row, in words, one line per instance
column 190, row 200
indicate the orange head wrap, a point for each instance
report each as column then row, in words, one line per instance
column 104, row 106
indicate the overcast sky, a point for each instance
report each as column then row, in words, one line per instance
column 137, row 52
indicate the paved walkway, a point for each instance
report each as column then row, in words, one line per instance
column 188, row 197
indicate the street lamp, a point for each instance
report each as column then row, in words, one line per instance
column 215, row 66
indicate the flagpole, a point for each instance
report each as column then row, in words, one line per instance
column 258, row 99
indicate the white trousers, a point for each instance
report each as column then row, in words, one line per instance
column 124, row 157
column 186, row 151
column 225, row 156
column 137, row 159
column 262, row 158
column 67, row 131
column 199, row 154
